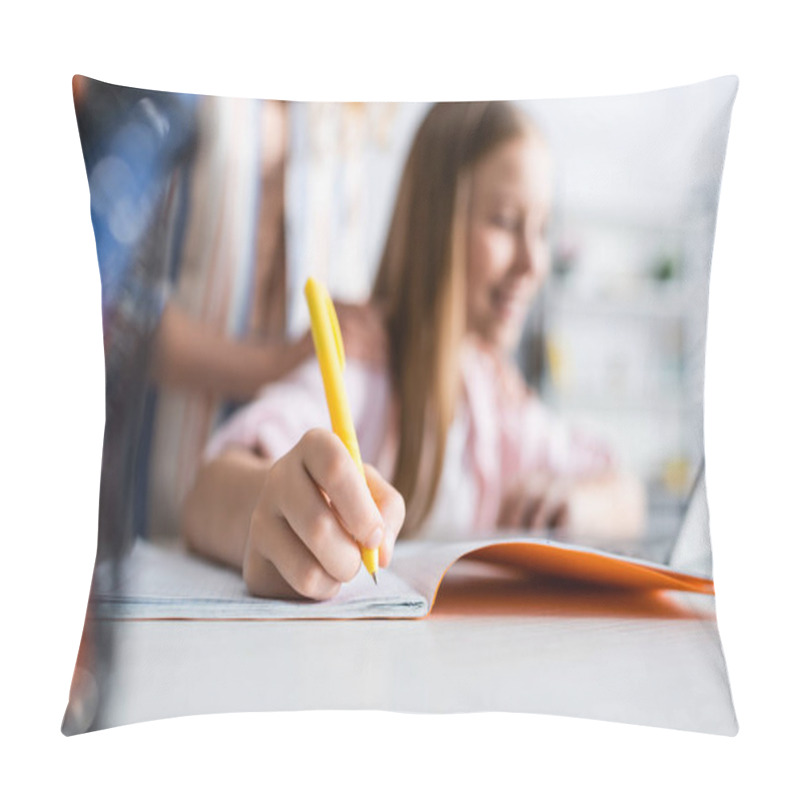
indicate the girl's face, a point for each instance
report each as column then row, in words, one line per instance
column 508, row 256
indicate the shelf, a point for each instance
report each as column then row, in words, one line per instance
column 666, row 221
column 648, row 304
column 587, row 403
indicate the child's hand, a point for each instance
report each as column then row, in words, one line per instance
column 313, row 512
column 540, row 501
column 606, row 506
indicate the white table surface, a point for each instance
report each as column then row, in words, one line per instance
column 495, row 646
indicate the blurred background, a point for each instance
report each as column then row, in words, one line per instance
column 274, row 192
column 616, row 341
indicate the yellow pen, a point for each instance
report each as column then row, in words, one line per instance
column 330, row 353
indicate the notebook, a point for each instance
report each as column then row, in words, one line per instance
column 159, row 582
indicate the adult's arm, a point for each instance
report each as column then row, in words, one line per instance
column 188, row 354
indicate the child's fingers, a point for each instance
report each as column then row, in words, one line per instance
column 332, row 468
column 392, row 508
column 275, row 559
column 533, row 505
column 513, row 509
column 314, row 522
column 551, row 507
column 530, row 513
column 263, row 579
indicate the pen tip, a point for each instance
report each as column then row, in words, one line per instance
column 375, row 577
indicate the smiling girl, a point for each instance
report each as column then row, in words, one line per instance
column 457, row 442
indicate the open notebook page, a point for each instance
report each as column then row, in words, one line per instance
column 156, row 582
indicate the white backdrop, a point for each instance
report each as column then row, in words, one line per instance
column 52, row 396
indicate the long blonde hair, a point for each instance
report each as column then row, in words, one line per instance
column 421, row 283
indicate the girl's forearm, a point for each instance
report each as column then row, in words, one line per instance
column 216, row 512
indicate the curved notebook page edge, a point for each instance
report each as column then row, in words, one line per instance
column 545, row 558
column 560, row 560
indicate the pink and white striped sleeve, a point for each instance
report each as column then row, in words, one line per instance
column 276, row 420
column 549, row 442
column 285, row 410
